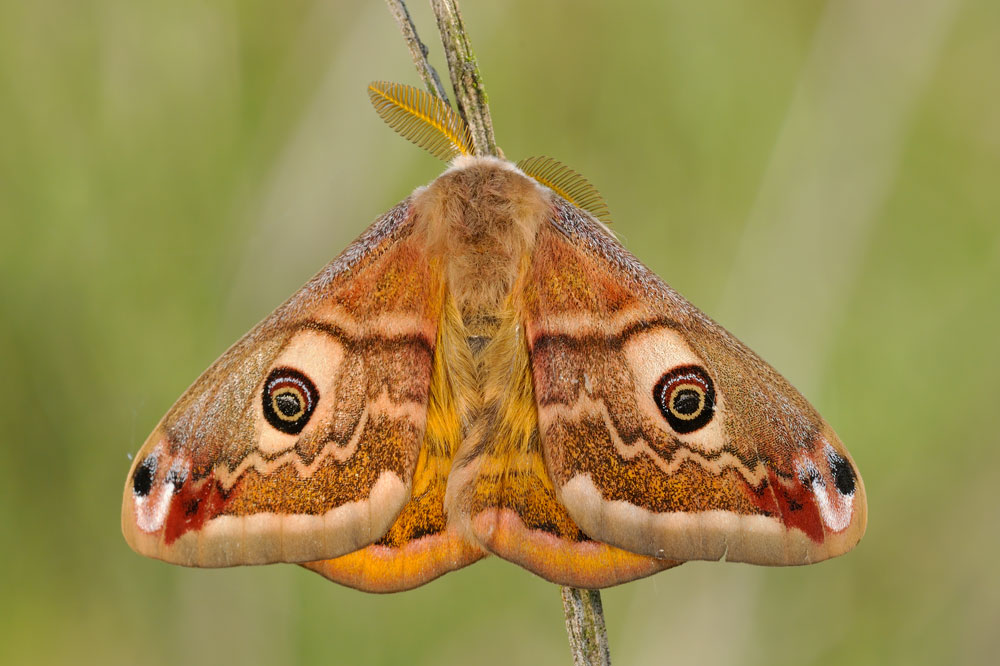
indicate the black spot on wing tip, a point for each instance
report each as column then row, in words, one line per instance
column 142, row 480
column 843, row 473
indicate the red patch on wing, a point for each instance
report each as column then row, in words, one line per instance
column 761, row 495
column 192, row 506
column 792, row 501
column 798, row 506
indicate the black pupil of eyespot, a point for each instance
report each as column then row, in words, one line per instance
column 686, row 401
column 288, row 404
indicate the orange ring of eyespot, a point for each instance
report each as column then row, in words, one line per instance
column 687, row 387
column 298, row 396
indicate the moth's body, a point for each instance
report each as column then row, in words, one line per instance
column 486, row 370
column 481, row 219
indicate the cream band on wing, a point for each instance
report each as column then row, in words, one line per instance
column 701, row 535
column 262, row 538
column 589, row 409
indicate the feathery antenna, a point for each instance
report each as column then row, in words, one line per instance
column 568, row 184
column 424, row 119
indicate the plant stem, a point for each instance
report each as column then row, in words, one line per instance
column 588, row 637
column 418, row 50
column 470, row 93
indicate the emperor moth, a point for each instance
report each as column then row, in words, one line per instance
column 486, row 370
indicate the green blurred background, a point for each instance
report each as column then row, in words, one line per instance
column 822, row 178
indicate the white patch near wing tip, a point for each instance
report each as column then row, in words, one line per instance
column 835, row 509
column 151, row 509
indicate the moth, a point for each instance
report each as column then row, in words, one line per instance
column 486, row 370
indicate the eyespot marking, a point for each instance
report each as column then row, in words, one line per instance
column 288, row 400
column 686, row 398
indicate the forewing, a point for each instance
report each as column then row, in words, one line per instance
column 663, row 434
column 300, row 442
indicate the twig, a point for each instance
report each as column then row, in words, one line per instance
column 465, row 77
column 418, row 50
column 588, row 638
